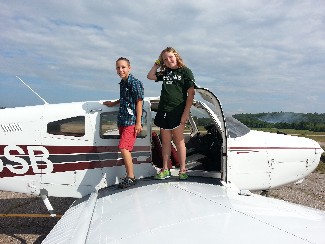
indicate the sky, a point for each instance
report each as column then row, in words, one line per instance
column 254, row 55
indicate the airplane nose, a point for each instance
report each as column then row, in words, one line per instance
column 318, row 147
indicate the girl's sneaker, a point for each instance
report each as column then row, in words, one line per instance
column 182, row 175
column 162, row 174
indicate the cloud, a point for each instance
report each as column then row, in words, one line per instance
column 257, row 56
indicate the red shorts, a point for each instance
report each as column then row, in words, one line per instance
column 128, row 137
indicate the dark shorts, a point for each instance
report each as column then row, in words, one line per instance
column 168, row 120
column 128, row 137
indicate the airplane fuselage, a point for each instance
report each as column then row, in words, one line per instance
column 70, row 150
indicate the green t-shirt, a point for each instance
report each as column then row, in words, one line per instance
column 176, row 82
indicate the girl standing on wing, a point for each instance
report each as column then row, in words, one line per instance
column 176, row 98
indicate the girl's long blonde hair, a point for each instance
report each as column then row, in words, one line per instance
column 179, row 60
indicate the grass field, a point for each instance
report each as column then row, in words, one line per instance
column 317, row 136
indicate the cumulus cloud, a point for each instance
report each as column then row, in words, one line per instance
column 257, row 56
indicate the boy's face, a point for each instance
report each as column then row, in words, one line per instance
column 169, row 59
column 123, row 69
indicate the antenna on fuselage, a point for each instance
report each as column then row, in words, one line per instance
column 45, row 102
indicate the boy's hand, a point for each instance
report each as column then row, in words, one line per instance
column 137, row 129
column 109, row 103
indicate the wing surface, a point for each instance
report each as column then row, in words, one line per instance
column 186, row 212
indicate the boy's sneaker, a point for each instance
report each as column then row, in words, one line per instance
column 127, row 182
column 162, row 174
column 182, row 175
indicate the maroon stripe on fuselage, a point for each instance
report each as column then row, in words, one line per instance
column 72, row 166
column 86, row 165
column 75, row 149
column 92, row 165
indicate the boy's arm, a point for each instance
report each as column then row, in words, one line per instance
column 138, row 108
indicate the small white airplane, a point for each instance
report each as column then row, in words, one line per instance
column 70, row 150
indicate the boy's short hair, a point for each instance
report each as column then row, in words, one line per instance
column 124, row 59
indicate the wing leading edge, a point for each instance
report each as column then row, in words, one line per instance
column 186, row 212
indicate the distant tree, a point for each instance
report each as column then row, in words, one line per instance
column 284, row 120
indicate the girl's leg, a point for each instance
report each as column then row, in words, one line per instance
column 166, row 137
column 178, row 138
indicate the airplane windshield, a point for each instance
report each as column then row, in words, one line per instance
column 236, row 128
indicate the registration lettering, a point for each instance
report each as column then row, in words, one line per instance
column 23, row 164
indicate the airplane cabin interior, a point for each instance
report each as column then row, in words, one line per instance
column 203, row 142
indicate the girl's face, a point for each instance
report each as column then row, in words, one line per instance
column 123, row 69
column 170, row 60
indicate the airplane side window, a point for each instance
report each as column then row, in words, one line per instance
column 109, row 128
column 74, row 126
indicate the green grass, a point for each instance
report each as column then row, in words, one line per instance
column 316, row 138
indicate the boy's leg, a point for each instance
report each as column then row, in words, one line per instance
column 127, row 157
column 125, row 146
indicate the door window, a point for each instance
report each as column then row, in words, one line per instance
column 109, row 128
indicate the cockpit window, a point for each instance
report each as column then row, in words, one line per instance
column 236, row 128
column 74, row 126
column 109, row 128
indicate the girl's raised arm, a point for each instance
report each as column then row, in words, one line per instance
column 152, row 73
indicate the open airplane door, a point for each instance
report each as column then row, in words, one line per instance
column 215, row 110
column 106, row 140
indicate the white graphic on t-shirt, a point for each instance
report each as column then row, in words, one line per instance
column 169, row 78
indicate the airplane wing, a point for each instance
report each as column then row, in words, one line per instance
column 194, row 211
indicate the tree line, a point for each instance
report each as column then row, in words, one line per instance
column 284, row 120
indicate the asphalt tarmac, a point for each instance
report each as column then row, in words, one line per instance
column 25, row 219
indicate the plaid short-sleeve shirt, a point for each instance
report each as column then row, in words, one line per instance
column 130, row 91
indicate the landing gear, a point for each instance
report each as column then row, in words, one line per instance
column 47, row 203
